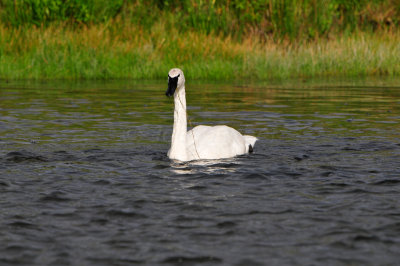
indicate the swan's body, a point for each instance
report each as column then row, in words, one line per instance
column 202, row 142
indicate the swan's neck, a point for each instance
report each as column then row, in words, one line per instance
column 178, row 140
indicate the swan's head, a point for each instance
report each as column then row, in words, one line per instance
column 176, row 79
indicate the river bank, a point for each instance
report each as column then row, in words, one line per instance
column 123, row 50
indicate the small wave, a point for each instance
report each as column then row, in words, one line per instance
column 198, row 259
column 24, row 156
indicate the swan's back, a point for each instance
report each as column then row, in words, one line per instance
column 206, row 142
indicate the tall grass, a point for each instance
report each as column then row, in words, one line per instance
column 123, row 49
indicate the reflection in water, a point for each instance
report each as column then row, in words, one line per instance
column 85, row 179
column 209, row 167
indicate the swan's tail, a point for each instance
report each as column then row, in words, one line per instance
column 250, row 141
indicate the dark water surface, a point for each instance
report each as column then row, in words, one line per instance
column 85, row 180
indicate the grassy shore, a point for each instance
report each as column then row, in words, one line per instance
column 125, row 50
column 208, row 39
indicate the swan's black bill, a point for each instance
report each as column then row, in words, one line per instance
column 172, row 84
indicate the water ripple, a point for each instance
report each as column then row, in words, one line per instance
column 85, row 179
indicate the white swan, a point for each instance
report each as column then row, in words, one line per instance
column 202, row 142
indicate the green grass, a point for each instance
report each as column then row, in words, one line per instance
column 125, row 50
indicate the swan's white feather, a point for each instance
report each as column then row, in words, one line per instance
column 206, row 142
column 250, row 140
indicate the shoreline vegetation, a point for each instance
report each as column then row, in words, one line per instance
column 209, row 39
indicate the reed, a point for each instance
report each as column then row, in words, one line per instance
column 124, row 49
